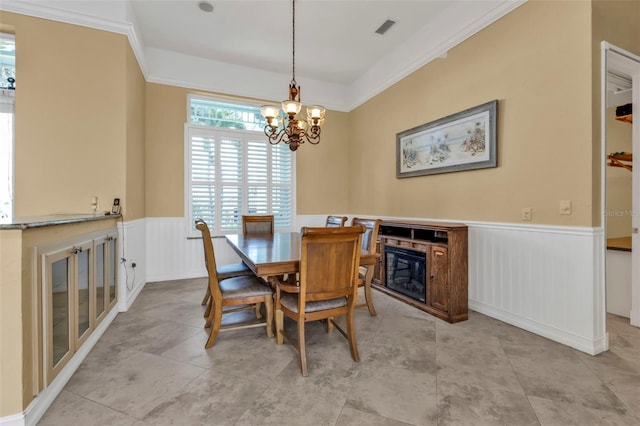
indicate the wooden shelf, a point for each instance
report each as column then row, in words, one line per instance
column 621, row 159
column 625, row 118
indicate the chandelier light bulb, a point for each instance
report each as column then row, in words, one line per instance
column 269, row 112
column 291, row 107
column 316, row 111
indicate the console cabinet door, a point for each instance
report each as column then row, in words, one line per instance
column 59, row 299
column 439, row 278
column 111, row 289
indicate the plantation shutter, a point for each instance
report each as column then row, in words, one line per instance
column 203, row 171
column 281, row 186
column 235, row 173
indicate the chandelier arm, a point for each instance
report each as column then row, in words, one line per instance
column 273, row 136
column 313, row 137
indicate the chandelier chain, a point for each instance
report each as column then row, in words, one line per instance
column 293, row 51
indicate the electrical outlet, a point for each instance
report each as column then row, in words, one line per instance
column 526, row 213
column 565, row 207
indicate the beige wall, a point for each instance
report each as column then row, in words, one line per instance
column 166, row 113
column 618, row 211
column 134, row 202
column 541, row 76
column 77, row 118
column 322, row 170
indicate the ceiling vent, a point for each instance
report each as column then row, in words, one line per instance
column 385, row 26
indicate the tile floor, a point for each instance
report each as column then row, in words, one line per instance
column 151, row 368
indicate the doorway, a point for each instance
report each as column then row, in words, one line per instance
column 621, row 204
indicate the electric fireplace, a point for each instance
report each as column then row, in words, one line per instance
column 406, row 272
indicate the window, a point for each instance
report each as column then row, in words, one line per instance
column 233, row 170
column 7, row 95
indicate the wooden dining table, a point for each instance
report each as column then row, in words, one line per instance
column 278, row 253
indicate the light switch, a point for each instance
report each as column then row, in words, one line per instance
column 565, row 207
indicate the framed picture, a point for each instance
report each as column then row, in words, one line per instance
column 462, row 141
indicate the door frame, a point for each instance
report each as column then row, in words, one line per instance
column 631, row 65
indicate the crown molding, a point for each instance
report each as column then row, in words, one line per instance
column 413, row 55
column 46, row 11
column 156, row 65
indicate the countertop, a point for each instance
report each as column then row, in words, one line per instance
column 51, row 220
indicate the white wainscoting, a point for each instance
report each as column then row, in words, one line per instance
column 619, row 282
column 544, row 279
column 171, row 256
column 133, row 249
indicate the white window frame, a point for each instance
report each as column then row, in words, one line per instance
column 199, row 129
column 7, row 163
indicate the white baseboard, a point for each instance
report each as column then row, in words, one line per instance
column 590, row 346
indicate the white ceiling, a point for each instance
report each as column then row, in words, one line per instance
column 244, row 47
column 335, row 40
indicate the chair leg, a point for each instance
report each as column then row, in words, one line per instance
column 368, row 297
column 279, row 326
column 268, row 305
column 351, row 335
column 302, row 349
column 208, row 313
column 207, row 295
column 330, row 325
column 258, row 311
column 217, row 322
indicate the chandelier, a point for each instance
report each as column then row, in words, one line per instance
column 293, row 132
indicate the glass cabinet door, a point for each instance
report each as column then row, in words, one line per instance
column 59, row 343
column 84, row 291
column 112, row 269
column 100, row 277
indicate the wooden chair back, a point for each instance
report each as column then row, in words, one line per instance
column 370, row 236
column 329, row 264
column 209, row 259
column 369, row 244
column 257, row 224
column 336, row 221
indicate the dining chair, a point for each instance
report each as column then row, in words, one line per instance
column 257, row 224
column 369, row 244
column 224, row 271
column 336, row 221
column 238, row 293
column 327, row 288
